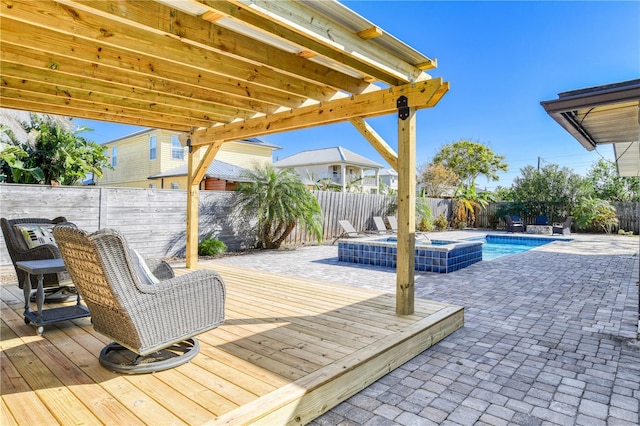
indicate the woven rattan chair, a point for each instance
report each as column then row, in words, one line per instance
column 152, row 322
column 19, row 251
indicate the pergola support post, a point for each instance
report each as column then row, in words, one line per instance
column 193, row 203
column 196, row 171
column 406, row 208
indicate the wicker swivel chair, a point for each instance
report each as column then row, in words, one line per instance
column 151, row 316
column 19, row 251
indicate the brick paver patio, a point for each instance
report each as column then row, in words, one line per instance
column 550, row 337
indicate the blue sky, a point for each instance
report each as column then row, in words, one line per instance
column 501, row 59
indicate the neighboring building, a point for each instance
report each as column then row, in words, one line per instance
column 335, row 166
column 155, row 158
column 389, row 177
column 220, row 176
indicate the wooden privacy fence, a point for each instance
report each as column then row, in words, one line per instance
column 359, row 210
column 154, row 220
column 628, row 214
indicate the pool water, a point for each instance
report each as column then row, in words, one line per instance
column 496, row 246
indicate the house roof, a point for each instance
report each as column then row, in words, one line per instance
column 250, row 141
column 224, row 70
column 388, row 172
column 217, row 169
column 335, row 155
column 608, row 114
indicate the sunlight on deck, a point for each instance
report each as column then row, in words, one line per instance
column 290, row 349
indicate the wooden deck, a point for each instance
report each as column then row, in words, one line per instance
column 290, row 349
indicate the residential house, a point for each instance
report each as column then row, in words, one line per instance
column 220, row 176
column 389, row 178
column 155, row 158
column 335, row 166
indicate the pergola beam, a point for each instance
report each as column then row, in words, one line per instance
column 380, row 145
column 423, row 94
column 97, row 30
column 203, row 32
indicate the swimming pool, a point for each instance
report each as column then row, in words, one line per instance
column 496, row 246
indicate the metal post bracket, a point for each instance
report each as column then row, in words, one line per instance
column 403, row 107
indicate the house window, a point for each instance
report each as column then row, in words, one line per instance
column 174, row 185
column 177, row 151
column 114, row 156
column 334, row 169
column 152, row 186
column 152, row 147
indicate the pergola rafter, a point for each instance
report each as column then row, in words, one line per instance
column 219, row 71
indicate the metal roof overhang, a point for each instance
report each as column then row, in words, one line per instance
column 608, row 114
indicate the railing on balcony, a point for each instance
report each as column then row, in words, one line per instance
column 337, row 178
column 369, row 181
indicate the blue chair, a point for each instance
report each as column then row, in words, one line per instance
column 542, row 220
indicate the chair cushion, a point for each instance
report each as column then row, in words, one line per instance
column 36, row 234
column 142, row 269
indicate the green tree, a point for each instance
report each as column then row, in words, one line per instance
column 503, row 194
column 279, row 200
column 49, row 153
column 550, row 191
column 607, row 185
column 469, row 160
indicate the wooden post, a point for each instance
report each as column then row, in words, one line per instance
column 193, row 202
column 406, row 211
column 195, row 174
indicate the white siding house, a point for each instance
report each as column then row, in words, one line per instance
column 335, row 166
column 390, row 178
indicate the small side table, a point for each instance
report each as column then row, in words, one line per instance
column 47, row 316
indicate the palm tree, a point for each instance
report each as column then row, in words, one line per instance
column 279, row 200
column 45, row 149
column 14, row 120
column 466, row 203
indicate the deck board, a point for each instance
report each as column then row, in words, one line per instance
column 289, row 350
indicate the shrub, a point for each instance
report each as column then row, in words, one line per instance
column 211, row 247
column 423, row 216
column 440, row 222
column 494, row 220
column 594, row 212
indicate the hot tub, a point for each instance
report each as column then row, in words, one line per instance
column 431, row 256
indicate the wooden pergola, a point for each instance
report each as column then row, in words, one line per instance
column 221, row 71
